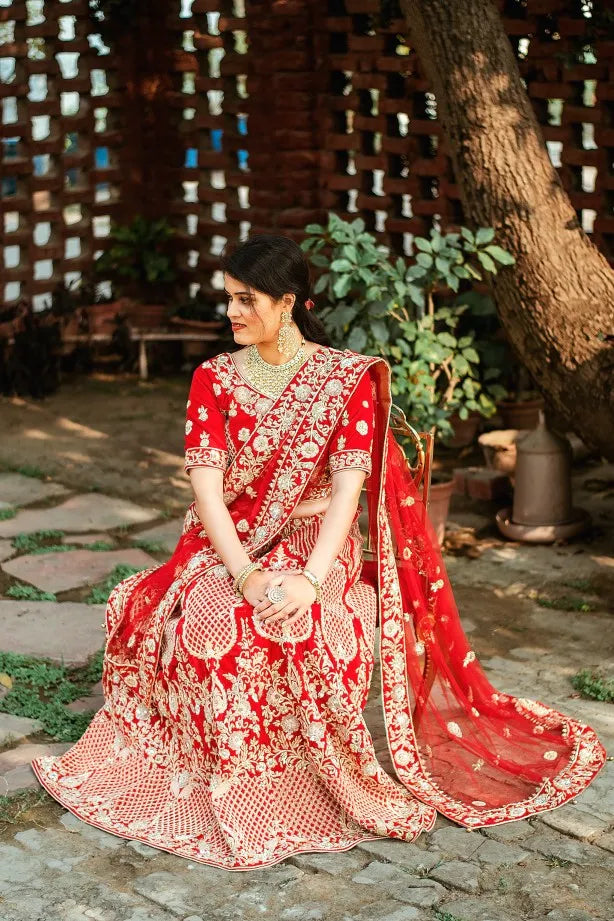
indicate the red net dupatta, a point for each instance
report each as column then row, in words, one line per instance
column 476, row 755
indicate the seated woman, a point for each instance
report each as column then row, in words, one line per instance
column 236, row 673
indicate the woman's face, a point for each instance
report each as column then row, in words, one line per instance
column 254, row 315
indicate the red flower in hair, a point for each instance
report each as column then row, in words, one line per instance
column 309, row 304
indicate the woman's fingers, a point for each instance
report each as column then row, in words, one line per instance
column 282, row 613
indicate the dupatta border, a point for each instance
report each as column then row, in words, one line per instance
column 587, row 755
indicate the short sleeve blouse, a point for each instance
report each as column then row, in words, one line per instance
column 205, row 438
column 351, row 443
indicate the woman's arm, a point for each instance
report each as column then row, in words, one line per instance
column 337, row 520
column 208, row 489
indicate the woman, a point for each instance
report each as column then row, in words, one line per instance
column 235, row 674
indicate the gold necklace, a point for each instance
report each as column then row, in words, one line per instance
column 268, row 378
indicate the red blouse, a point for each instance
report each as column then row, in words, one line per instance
column 223, row 408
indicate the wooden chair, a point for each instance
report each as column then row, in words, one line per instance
column 421, row 473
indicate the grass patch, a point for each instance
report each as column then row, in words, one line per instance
column 7, row 513
column 13, row 806
column 151, row 546
column 29, row 543
column 56, row 548
column 444, row 915
column 28, row 593
column 31, row 471
column 100, row 593
column 41, row 689
column 99, row 546
column 593, row 685
column 565, row 603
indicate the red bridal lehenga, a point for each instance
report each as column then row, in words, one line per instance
column 227, row 742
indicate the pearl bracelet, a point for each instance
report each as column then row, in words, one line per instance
column 315, row 582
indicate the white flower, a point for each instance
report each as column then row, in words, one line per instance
column 204, row 439
column 435, row 586
column 243, row 434
column 454, row 729
column 188, row 426
column 203, row 413
column 361, row 427
column 468, row 658
column 551, row 755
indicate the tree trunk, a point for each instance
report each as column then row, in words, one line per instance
column 557, row 302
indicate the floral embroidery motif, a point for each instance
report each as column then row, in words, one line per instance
column 342, row 460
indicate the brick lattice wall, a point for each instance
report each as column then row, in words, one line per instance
column 340, row 118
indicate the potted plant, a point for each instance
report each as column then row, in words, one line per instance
column 196, row 313
column 417, row 317
column 140, row 267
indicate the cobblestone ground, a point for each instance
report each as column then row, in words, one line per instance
column 559, row 867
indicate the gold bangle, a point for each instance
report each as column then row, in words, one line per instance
column 244, row 573
column 315, row 582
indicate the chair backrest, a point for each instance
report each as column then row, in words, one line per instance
column 421, row 471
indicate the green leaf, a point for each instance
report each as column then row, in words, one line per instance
column 501, row 255
column 425, row 260
column 487, row 262
column 358, row 224
column 357, row 339
column 321, row 284
column 341, row 265
column 467, row 235
column 380, row 331
column 484, row 235
column 447, row 340
column 471, row 355
column 423, row 244
column 321, row 261
column 342, row 285
column 349, row 251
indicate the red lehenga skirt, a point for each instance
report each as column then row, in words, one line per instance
column 254, row 747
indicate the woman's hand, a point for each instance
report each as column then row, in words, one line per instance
column 300, row 595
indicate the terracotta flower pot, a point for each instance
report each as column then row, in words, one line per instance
column 101, row 317
column 439, row 506
column 465, row 430
column 520, row 414
column 147, row 316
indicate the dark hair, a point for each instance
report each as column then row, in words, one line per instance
column 276, row 265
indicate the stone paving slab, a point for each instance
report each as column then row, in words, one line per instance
column 17, row 489
column 80, row 514
column 61, row 571
column 66, row 631
column 15, row 771
column 84, row 540
column 6, row 550
column 166, row 534
column 94, row 700
column 17, row 727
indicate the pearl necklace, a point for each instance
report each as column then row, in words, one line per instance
column 268, row 378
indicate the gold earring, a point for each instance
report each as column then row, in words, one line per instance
column 286, row 338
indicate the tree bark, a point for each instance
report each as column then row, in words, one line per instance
column 557, row 302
